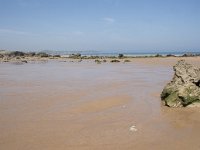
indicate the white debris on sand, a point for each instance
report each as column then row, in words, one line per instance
column 133, row 129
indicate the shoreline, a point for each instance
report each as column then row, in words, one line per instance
column 26, row 57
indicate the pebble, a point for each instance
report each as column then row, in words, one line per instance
column 133, row 129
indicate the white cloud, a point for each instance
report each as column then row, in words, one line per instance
column 109, row 20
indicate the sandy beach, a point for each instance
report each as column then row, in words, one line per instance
column 56, row 105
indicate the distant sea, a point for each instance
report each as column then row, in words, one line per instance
column 116, row 53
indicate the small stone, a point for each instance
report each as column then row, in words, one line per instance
column 133, row 129
column 24, row 61
column 114, row 60
column 127, row 60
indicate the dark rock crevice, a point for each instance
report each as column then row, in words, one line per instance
column 197, row 83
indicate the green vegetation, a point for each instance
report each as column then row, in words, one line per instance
column 121, row 56
column 97, row 61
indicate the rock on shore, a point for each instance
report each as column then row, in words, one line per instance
column 184, row 89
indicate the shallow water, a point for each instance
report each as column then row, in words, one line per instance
column 65, row 105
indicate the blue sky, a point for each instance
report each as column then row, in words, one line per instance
column 103, row 25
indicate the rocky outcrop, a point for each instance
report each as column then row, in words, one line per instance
column 42, row 54
column 30, row 54
column 18, row 57
column 170, row 55
column 75, row 56
column 188, row 55
column 15, row 54
column 184, row 89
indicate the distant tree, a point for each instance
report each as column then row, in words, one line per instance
column 120, row 55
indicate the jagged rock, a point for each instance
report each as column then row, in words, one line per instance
column 184, row 89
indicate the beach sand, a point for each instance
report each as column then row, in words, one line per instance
column 88, row 106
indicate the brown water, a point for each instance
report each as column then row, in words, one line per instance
column 86, row 106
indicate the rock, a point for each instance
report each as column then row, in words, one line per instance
column 84, row 57
column 18, row 57
column 6, row 59
column 24, row 61
column 15, row 54
column 188, row 55
column 1, row 56
column 30, row 54
column 114, row 60
column 93, row 57
column 198, row 54
column 75, row 56
column 42, row 54
column 184, row 89
column 127, row 60
column 170, row 55
column 56, row 56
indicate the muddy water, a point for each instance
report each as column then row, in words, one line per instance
column 86, row 106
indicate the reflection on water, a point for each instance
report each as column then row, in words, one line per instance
column 63, row 105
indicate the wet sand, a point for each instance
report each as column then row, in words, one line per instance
column 89, row 106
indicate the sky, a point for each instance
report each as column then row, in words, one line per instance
column 100, row 25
